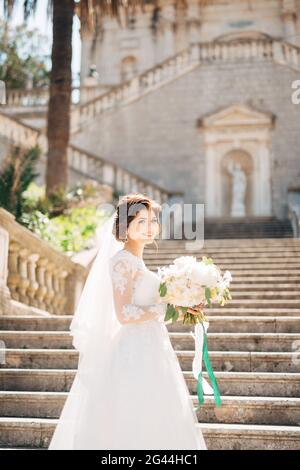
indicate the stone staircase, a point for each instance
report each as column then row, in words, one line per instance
column 254, row 344
column 28, row 127
column 247, row 227
column 197, row 54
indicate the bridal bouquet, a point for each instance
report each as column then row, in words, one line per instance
column 187, row 283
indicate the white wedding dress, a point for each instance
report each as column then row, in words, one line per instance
column 142, row 401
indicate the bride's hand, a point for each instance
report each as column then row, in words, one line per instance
column 196, row 309
column 181, row 313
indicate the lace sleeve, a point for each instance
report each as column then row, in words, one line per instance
column 123, row 277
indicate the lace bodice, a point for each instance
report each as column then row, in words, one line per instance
column 135, row 290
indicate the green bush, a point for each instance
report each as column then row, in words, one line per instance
column 16, row 174
column 69, row 233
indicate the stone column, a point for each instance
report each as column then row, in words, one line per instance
column 193, row 22
column 169, row 22
column 4, row 291
column 289, row 17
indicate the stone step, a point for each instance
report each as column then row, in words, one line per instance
column 243, row 324
column 250, row 410
column 170, row 245
column 37, row 339
column 216, row 253
column 242, row 410
column 35, row 323
column 264, row 312
column 251, row 281
column 32, row 404
column 37, row 433
column 180, row 341
column 235, row 261
column 255, row 275
column 234, row 254
column 217, row 323
column 250, row 437
column 267, row 280
column 40, row 358
column 238, row 287
column 36, row 380
column 254, row 268
column 266, row 295
column 243, row 361
column 256, row 384
column 230, row 383
column 26, row 432
column 280, row 342
column 261, row 303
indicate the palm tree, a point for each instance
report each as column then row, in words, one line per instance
column 90, row 12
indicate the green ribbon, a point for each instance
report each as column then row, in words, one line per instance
column 211, row 375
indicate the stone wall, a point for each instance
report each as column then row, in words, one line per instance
column 158, row 136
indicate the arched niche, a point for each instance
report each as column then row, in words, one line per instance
column 128, row 68
column 245, row 161
column 239, row 134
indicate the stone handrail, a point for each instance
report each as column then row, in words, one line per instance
column 33, row 273
column 217, row 51
column 21, row 134
column 140, row 85
column 123, row 181
column 39, row 96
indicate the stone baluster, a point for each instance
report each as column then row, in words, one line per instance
column 49, row 286
column 33, row 284
column 23, row 279
column 74, row 283
column 62, row 299
column 42, row 288
column 4, row 290
column 13, row 269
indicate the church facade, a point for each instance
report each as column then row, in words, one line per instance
column 226, row 132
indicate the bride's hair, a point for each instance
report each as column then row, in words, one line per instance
column 127, row 209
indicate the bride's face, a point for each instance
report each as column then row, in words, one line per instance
column 144, row 227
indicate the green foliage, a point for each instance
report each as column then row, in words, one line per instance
column 162, row 289
column 22, row 59
column 171, row 313
column 70, row 232
column 59, row 220
column 17, row 173
column 208, row 296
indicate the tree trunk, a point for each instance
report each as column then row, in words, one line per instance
column 59, row 109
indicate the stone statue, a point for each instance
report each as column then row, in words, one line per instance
column 239, row 183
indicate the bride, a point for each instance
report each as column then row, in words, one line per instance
column 129, row 391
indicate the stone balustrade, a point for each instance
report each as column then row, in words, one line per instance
column 137, row 86
column 34, row 97
column 21, row 134
column 96, row 100
column 123, row 181
column 33, row 273
column 85, row 163
column 217, row 51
